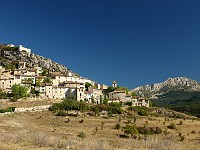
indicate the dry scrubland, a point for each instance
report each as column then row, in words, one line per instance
column 45, row 131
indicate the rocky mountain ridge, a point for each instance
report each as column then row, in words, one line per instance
column 178, row 83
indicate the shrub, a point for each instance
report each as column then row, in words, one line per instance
column 128, row 103
column 115, row 110
column 117, row 126
column 142, row 111
column 69, row 105
column 180, row 123
column 182, row 138
column 193, row 132
column 115, row 104
column 81, row 121
column 109, row 114
column 171, row 126
column 9, row 109
column 61, row 113
column 130, row 129
column 19, row 91
column 158, row 130
column 149, row 130
column 82, row 135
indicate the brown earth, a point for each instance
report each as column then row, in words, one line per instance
column 45, row 131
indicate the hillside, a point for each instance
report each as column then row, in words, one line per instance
column 92, row 129
column 183, row 101
column 181, row 94
column 10, row 56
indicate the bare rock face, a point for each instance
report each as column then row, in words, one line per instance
column 179, row 83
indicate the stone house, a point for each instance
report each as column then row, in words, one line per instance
column 117, row 96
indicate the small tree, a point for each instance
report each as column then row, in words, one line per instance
column 133, row 94
column 87, row 85
column 101, row 100
column 131, row 129
column 105, row 102
column 19, row 91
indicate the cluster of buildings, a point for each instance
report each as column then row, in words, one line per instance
column 60, row 86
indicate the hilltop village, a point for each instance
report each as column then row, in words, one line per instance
column 59, row 85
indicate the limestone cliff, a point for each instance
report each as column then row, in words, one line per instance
column 179, row 83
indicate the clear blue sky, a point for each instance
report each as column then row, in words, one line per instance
column 134, row 42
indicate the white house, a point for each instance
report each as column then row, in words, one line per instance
column 24, row 49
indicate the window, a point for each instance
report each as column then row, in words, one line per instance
column 17, row 77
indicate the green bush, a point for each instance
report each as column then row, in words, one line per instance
column 149, row 130
column 82, row 135
column 171, row 126
column 142, row 111
column 9, row 109
column 62, row 113
column 130, row 129
column 109, row 114
column 145, row 130
column 115, row 110
column 69, row 105
column 128, row 103
column 117, row 126
column 19, row 91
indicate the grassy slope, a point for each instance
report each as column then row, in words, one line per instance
column 43, row 130
column 184, row 101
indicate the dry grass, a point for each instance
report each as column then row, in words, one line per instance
column 44, row 131
column 29, row 102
